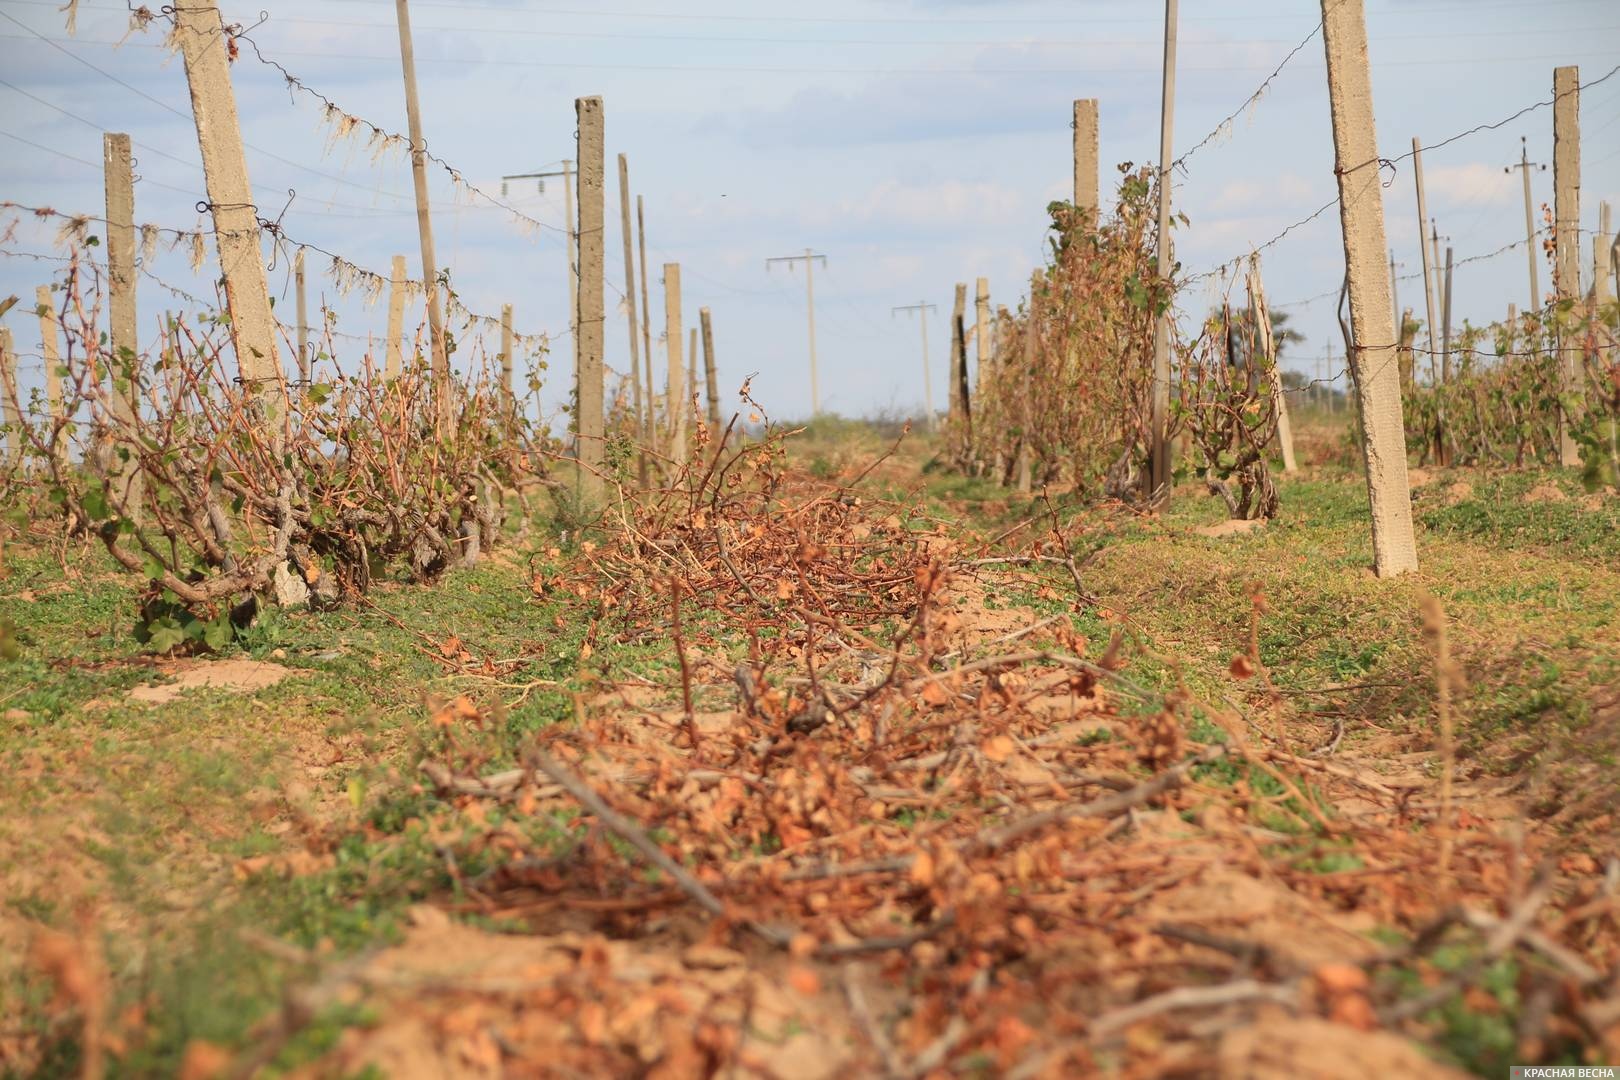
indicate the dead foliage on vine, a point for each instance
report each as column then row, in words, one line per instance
column 1071, row 386
column 1496, row 398
column 223, row 496
column 1230, row 403
column 869, row 834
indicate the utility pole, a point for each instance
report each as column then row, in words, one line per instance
column 642, row 429
column 922, row 309
column 1374, row 360
column 1525, row 165
column 646, row 322
column 809, row 259
column 711, row 376
column 396, row 318
column 201, row 35
column 1159, row 478
column 424, row 223
column 570, row 234
column 304, row 359
column 1566, row 231
column 591, row 313
column 675, row 400
column 1432, row 324
column 1085, row 157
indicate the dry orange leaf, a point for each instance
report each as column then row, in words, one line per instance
column 998, row 748
column 203, row 1061
column 804, row 980
column 1341, row 978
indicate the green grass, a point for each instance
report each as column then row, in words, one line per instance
column 156, row 806
column 1531, row 590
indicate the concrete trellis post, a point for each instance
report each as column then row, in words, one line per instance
column 1607, row 262
column 202, row 40
column 1566, row 233
column 1602, row 293
column 1031, row 338
column 958, row 361
column 676, row 392
column 506, row 351
column 1085, row 157
column 305, row 360
column 981, row 326
column 50, row 350
column 12, row 399
column 125, row 348
column 1361, row 212
column 964, row 436
column 1433, row 324
column 396, row 319
column 642, row 411
column 121, row 242
column 1268, row 349
column 1159, row 472
column 691, row 366
column 592, row 311
column 646, row 324
column 1408, row 332
column 711, row 376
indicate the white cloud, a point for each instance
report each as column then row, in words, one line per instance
column 1286, row 188
column 943, row 204
column 1473, row 184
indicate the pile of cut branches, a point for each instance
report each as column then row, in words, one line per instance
column 927, row 852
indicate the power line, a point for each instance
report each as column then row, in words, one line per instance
column 278, row 236
column 1392, row 162
column 166, row 107
column 778, row 69
column 796, row 39
column 1180, row 162
column 894, row 21
column 148, row 148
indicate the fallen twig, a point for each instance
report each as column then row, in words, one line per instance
column 1240, row 992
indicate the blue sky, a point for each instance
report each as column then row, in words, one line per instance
column 914, row 142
